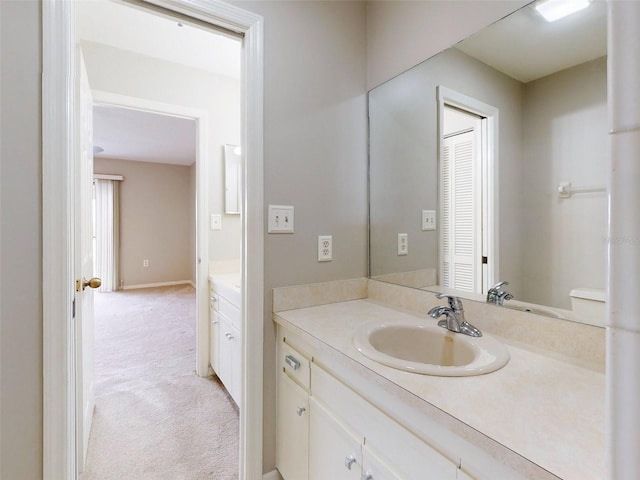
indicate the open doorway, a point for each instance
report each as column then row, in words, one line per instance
column 163, row 110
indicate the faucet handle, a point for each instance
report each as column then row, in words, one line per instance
column 497, row 286
column 454, row 302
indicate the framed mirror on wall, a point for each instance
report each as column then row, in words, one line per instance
column 525, row 202
column 232, row 179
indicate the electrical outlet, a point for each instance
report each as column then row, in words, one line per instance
column 216, row 221
column 325, row 248
column 403, row 244
column 280, row 219
column 145, row 262
column 428, row 220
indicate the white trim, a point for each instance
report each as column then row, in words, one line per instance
column 58, row 100
column 201, row 118
column 158, row 284
column 100, row 176
column 453, row 98
column 272, row 475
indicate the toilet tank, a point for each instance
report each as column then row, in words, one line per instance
column 588, row 305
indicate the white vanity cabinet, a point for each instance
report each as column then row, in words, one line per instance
column 225, row 349
column 327, row 431
column 292, row 434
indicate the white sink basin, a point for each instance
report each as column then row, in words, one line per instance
column 428, row 349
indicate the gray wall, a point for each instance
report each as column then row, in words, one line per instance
column 156, row 220
column 403, row 33
column 566, row 139
column 315, row 152
column 21, row 241
column 315, row 147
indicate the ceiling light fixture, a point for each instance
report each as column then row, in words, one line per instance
column 553, row 10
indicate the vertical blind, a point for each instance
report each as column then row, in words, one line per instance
column 107, row 233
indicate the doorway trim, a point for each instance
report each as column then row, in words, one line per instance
column 202, row 196
column 490, row 154
column 58, row 196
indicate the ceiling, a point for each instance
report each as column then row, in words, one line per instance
column 143, row 136
column 527, row 47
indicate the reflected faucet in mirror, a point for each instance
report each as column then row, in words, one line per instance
column 454, row 320
column 497, row 295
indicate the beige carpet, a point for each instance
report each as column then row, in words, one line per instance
column 154, row 418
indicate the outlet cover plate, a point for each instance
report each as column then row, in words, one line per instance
column 280, row 219
column 403, row 244
column 325, row 248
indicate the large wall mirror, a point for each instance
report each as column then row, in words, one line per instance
column 488, row 163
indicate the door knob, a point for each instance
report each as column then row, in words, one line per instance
column 84, row 283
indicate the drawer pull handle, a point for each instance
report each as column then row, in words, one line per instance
column 300, row 411
column 348, row 461
column 366, row 476
column 229, row 336
column 292, row 362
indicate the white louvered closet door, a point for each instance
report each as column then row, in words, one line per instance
column 461, row 232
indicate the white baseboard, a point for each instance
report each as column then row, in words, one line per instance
column 274, row 475
column 192, row 283
column 159, row 284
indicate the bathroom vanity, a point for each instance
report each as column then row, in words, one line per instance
column 342, row 415
column 225, row 331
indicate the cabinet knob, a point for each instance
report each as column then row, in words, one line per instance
column 300, row 411
column 229, row 336
column 348, row 461
column 366, row 476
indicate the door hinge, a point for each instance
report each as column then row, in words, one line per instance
column 73, row 308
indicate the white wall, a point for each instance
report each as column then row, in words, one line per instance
column 156, row 209
column 403, row 33
column 566, row 139
column 126, row 73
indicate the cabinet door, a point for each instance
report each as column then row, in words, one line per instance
column 236, row 363
column 334, row 451
column 292, row 434
column 214, row 340
column 224, row 361
column 374, row 469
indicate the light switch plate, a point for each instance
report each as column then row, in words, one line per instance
column 216, row 221
column 280, row 219
column 428, row 220
column 403, row 244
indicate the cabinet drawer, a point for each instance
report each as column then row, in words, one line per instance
column 230, row 311
column 295, row 364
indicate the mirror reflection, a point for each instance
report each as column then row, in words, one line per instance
column 488, row 164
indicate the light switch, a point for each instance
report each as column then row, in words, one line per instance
column 280, row 219
column 428, row 220
column 216, row 221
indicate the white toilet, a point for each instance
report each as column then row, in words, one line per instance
column 588, row 305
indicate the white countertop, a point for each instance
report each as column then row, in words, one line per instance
column 546, row 410
column 228, row 285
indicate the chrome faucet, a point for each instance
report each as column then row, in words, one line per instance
column 497, row 295
column 454, row 316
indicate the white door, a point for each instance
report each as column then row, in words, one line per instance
column 461, row 203
column 83, row 251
